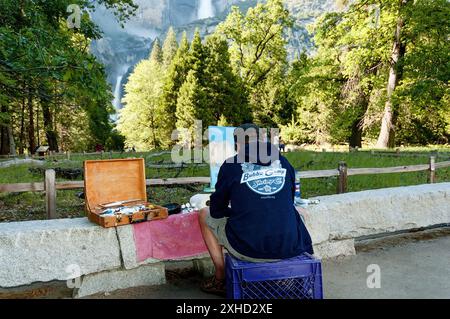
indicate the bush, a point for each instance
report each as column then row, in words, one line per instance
column 292, row 133
column 115, row 142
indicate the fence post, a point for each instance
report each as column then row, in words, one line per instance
column 432, row 170
column 342, row 181
column 50, row 193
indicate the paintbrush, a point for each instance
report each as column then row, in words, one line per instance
column 120, row 203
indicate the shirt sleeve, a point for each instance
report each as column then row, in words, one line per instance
column 291, row 173
column 220, row 199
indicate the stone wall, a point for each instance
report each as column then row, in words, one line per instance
column 338, row 219
column 44, row 251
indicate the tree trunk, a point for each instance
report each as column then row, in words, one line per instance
column 152, row 122
column 4, row 141
column 37, row 128
column 4, row 134
column 51, row 135
column 8, row 146
column 49, row 127
column 356, row 136
column 31, row 137
column 387, row 133
column 12, row 144
column 22, row 127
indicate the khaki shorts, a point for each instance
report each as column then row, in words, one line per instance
column 217, row 226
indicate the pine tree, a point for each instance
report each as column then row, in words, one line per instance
column 226, row 95
column 170, row 47
column 140, row 120
column 176, row 76
column 190, row 104
column 197, row 55
column 156, row 55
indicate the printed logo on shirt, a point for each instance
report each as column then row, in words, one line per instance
column 264, row 180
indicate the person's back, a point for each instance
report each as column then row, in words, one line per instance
column 252, row 211
column 262, row 220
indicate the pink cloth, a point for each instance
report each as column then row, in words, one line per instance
column 176, row 237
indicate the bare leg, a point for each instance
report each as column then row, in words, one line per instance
column 215, row 250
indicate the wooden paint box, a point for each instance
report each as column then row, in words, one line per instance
column 119, row 180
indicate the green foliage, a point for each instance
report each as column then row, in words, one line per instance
column 423, row 94
column 191, row 106
column 199, row 85
column 335, row 95
column 211, row 93
column 139, row 119
column 197, row 55
column 258, row 55
column 226, row 95
column 341, row 90
column 291, row 134
column 115, row 142
column 176, row 75
column 156, row 55
column 170, row 47
column 53, row 89
column 257, row 44
column 315, row 90
column 46, row 68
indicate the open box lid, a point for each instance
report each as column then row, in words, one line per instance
column 107, row 181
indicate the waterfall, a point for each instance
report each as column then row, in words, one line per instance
column 205, row 9
column 117, row 93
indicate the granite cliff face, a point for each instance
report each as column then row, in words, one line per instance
column 122, row 48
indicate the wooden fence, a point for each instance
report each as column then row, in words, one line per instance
column 109, row 154
column 50, row 186
column 68, row 155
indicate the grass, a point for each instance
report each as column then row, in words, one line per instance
column 31, row 206
column 306, row 161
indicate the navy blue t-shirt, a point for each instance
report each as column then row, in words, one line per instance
column 263, row 222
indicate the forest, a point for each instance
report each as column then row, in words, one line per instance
column 378, row 75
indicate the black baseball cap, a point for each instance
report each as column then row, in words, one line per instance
column 243, row 129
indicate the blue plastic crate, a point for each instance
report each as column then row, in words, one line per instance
column 296, row 278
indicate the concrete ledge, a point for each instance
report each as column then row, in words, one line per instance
column 108, row 281
column 56, row 250
column 128, row 249
column 41, row 251
column 353, row 215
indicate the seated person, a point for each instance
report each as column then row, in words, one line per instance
column 261, row 224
